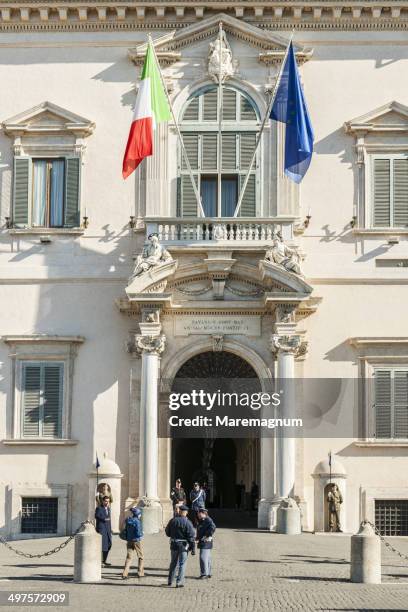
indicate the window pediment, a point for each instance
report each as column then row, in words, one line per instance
column 271, row 46
column 391, row 117
column 47, row 118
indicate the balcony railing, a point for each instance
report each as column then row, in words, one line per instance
column 241, row 230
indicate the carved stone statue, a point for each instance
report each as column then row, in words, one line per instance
column 283, row 255
column 103, row 490
column 334, row 499
column 153, row 254
column 220, row 52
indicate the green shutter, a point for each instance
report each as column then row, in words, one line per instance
column 188, row 200
column 209, row 151
column 52, row 401
column 248, row 206
column 247, row 147
column 400, row 189
column 229, row 105
column 210, row 105
column 400, row 404
column 191, row 112
column 191, row 146
column 21, row 190
column 383, row 403
column 72, row 177
column 382, row 193
column 31, row 401
column 229, row 149
column 247, row 110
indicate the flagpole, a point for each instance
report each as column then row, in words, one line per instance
column 220, row 111
column 197, row 195
column 258, row 140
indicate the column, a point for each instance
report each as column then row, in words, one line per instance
column 150, row 348
column 288, row 513
column 286, row 348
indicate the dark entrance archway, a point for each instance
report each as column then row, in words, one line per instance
column 226, row 467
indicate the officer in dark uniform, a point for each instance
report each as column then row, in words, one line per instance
column 205, row 532
column 182, row 540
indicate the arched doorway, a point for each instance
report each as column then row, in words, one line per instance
column 226, row 467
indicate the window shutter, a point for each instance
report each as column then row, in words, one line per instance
column 247, row 111
column 383, row 403
column 191, row 112
column 188, row 198
column 401, row 404
column 31, row 401
column 21, row 190
column 52, row 401
column 247, row 146
column 248, row 208
column 72, row 191
column 209, row 152
column 191, row 146
column 382, row 192
column 400, row 185
column 229, row 152
column 210, row 105
column 229, row 105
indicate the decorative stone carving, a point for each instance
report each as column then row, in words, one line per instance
column 283, row 255
column 289, row 344
column 153, row 255
column 150, row 344
column 218, row 341
column 220, row 53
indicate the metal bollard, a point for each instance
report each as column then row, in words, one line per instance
column 87, row 555
column 365, row 556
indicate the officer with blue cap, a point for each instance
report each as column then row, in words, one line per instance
column 182, row 535
column 132, row 532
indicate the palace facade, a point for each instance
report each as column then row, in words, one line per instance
column 307, row 281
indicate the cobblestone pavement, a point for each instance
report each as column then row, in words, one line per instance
column 252, row 571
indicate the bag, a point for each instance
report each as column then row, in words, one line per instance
column 123, row 534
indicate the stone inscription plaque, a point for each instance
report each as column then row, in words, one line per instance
column 221, row 324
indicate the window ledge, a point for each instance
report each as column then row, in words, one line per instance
column 377, row 231
column 385, row 444
column 46, row 231
column 39, row 442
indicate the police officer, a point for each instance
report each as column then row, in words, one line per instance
column 205, row 531
column 182, row 539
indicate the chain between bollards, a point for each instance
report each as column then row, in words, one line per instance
column 49, row 552
column 386, row 543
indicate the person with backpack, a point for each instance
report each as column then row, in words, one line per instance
column 132, row 532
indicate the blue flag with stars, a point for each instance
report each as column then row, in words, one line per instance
column 290, row 107
column 97, row 464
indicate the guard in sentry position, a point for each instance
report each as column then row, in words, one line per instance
column 182, row 535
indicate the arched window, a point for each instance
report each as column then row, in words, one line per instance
column 218, row 183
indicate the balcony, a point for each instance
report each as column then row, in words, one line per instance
column 237, row 232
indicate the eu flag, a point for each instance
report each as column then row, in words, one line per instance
column 97, row 464
column 290, row 107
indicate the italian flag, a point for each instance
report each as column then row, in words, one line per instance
column 151, row 108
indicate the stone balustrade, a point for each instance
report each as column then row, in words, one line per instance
column 242, row 230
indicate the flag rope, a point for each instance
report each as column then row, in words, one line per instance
column 220, row 112
column 197, row 195
column 258, row 140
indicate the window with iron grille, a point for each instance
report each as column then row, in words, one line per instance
column 391, row 516
column 219, row 163
column 391, row 402
column 39, row 515
column 42, row 398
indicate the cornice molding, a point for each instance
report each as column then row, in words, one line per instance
column 116, row 15
column 374, row 120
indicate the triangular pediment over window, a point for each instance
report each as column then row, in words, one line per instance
column 47, row 118
column 271, row 46
column 391, row 117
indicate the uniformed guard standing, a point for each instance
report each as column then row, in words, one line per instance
column 182, row 539
column 205, row 531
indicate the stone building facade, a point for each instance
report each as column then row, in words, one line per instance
column 82, row 348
